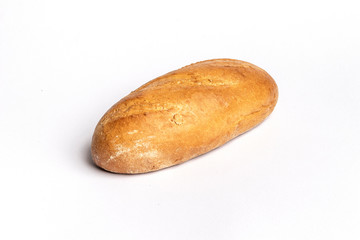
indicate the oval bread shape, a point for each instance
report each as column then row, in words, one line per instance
column 182, row 114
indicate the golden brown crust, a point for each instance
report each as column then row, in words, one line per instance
column 183, row 114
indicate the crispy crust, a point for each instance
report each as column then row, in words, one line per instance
column 183, row 114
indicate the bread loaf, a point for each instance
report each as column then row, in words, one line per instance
column 183, row 114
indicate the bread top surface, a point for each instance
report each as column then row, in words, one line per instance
column 183, row 114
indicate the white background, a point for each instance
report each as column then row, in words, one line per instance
column 64, row 63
